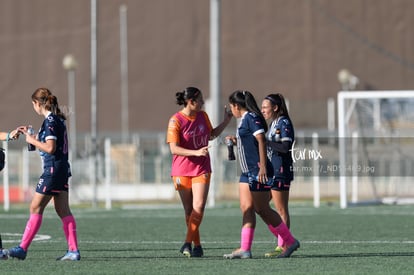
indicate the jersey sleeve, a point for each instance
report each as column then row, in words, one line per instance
column 286, row 130
column 50, row 127
column 256, row 125
column 173, row 130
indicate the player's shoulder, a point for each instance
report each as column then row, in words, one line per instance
column 50, row 120
column 283, row 120
column 252, row 116
column 174, row 119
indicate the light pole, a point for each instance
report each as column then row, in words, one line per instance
column 70, row 64
column 124, row 71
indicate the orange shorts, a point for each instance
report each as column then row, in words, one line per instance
column 184, row 182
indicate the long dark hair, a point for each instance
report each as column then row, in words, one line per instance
column 279, row 101
column 45, row 97
column 246, row 100
column 189, row 93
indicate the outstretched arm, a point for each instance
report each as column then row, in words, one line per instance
column 219, row 129
column 9, row 135
column 181, row 151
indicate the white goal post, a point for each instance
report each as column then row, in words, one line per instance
column 372, row 123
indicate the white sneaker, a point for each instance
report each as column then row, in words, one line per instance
column 238, row 254
column 3, row 254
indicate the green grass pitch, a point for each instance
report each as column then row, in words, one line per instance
column 146, row 240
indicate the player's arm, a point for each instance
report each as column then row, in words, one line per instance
column 173, row 139
column 9, row 135
column 48, row 147
column 285, row 144
column 181, row 151
column 3, row 135
column 280, row 147
column 219, row 129
column 261, row 140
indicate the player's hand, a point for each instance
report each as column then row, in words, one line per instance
column 232, row 138
column 262, row 176
column 22, row 130
column 227, row 113
column 202, row 152
column 14, row 134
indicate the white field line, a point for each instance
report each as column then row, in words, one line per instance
column 17, row 237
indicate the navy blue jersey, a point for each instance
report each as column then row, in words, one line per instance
column 247, row 145
column 281, row 133
column 54, row 127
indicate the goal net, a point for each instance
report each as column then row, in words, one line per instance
column 376, row 148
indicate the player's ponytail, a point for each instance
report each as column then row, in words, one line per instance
column 246, row 100
column 279, row 101
column 189, row 93
column 48, row 101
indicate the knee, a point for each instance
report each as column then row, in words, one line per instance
column 264, row 212
column 246, row 207
column 199, row 207
column 247, row 211
column 36, row 209
column 261, row 212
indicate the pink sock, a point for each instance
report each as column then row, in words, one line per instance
column 247, row 235
column 279, row 241
column 282, row 231
column 69, row 227
column 32, row 227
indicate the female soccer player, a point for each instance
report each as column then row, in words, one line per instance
column 189, row 132
column 280, row 138
column 5, row 136
column 52, row 143
column 256, row 178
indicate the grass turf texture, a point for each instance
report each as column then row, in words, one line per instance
column 146, row 240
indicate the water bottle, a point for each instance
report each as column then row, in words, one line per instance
column 230, row 149
column 30, row 131
column 276, row 137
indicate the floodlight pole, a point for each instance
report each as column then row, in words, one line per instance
column 94, row 149
column 214, row 89
column 124, row 72
column 70, row 64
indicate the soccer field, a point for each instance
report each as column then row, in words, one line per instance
column 146, row 240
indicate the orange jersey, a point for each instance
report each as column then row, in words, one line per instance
column 191, row 133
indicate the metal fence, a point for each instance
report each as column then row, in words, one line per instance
column 140, row 170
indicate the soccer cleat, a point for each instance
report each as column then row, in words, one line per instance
column 186, row 249
column 238, row 254
column 4, row 254
column 197, row 251
column 289, row 250
column 70, row 256
column 17, row 252
column 278, row 250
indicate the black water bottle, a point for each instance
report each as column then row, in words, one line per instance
column 30, row 131
column 230, row 149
